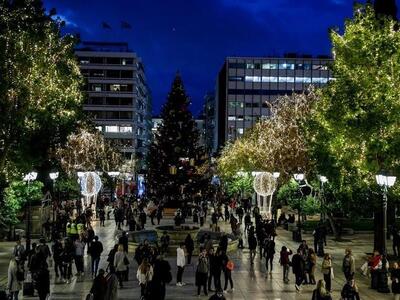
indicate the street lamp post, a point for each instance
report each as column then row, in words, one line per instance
column 53, row 177
column 28, row 178
column 323, row 180
column 385, row 182
column 299, row 177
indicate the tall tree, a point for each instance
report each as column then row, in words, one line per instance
column 40, row 95
column 355, row 131
column 174, row 152
column 386, row 8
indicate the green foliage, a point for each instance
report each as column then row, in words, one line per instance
column 354, row 132
column 240, row 185
column 67, row 186
column 16, row 196
column 40, row 87
column 288, row 194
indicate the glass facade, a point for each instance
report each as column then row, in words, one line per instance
column 248, row 86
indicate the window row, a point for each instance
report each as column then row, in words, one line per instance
column 239, row 104
column 279, row 66
column 258, row 92
column 231, row 130
column 105, row 60
column 289, row 79
column 110, row 115
column 115, row 128
column 121, row 142
column 128, row 74
column 116, row 101
column 109, row 87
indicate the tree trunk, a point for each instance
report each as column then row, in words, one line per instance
column 336, row 233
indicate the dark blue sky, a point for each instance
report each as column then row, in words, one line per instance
column 194, row 36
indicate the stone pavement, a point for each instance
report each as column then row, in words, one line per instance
column 250, row 282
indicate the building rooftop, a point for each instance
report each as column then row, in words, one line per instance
column 103, row 46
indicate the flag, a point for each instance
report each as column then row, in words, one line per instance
column 105, row 25
column 125, row 25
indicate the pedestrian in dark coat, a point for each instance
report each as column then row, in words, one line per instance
column 161, row 277
column 42, row 283
column 189, row 246
column 202, row 272
column 99, row 286
column 298, row 267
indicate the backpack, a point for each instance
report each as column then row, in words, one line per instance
column 230, row 265
column 346, row 263
column 202, row 266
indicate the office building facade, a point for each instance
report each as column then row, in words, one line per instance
column 245, row 85
column 118, row 98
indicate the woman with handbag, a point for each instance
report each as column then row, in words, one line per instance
column 327, row 271
column 121, row 263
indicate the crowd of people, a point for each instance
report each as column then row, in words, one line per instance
column 73, row 239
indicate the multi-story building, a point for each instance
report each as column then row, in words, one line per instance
column 118, row 98
column 245, row 85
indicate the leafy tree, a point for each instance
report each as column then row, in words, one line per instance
column 354, row 132
column 16, row 196
column 174, row 152
column 241, row 185
column 88, row 150
column 40, row 95
column 275, row 145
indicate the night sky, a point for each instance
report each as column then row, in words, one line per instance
column 194, row 36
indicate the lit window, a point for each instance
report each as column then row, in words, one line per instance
column 269, row 79
column 231, row 118
column 249, row 66
column 115, row 87
column 319, row 67
column 269, row 66
column 96, row 87
column 253, row 78
column 111, row 128
column 99, row 128
column 125, row 129
column 240, row 130
column 84, row 60
column 286, row 66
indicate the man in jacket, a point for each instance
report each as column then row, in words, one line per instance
column 95, row 250
column 298, row 266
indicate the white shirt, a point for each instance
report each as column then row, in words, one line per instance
column 180, row 257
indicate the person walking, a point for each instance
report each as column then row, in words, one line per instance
column 312, row 264
column 42, row 282
column 349, row 265
column 99, row 286
column 180, row 262
column 144, row 275
column 57, row 250
column 202, row 272
column 327, row 271
column 227, row 268
column 14, row 283
column 164, row 241
column 350, row 290
column 95, row 250
column 189, row 246
column 395, row 277
column 298, row 266
column 252, row 242
column 215, row 261
column 79, row 246
column 269, row 252
column 284, row 260
column 112, row 286
column 321, row 293
column 121, row 263
column 161, row 277
column 110, row 259
column 66, row 256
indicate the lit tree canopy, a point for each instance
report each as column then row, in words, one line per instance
column 88, row 151
column 274, row 145
column 355, row 128
column 40, row 96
